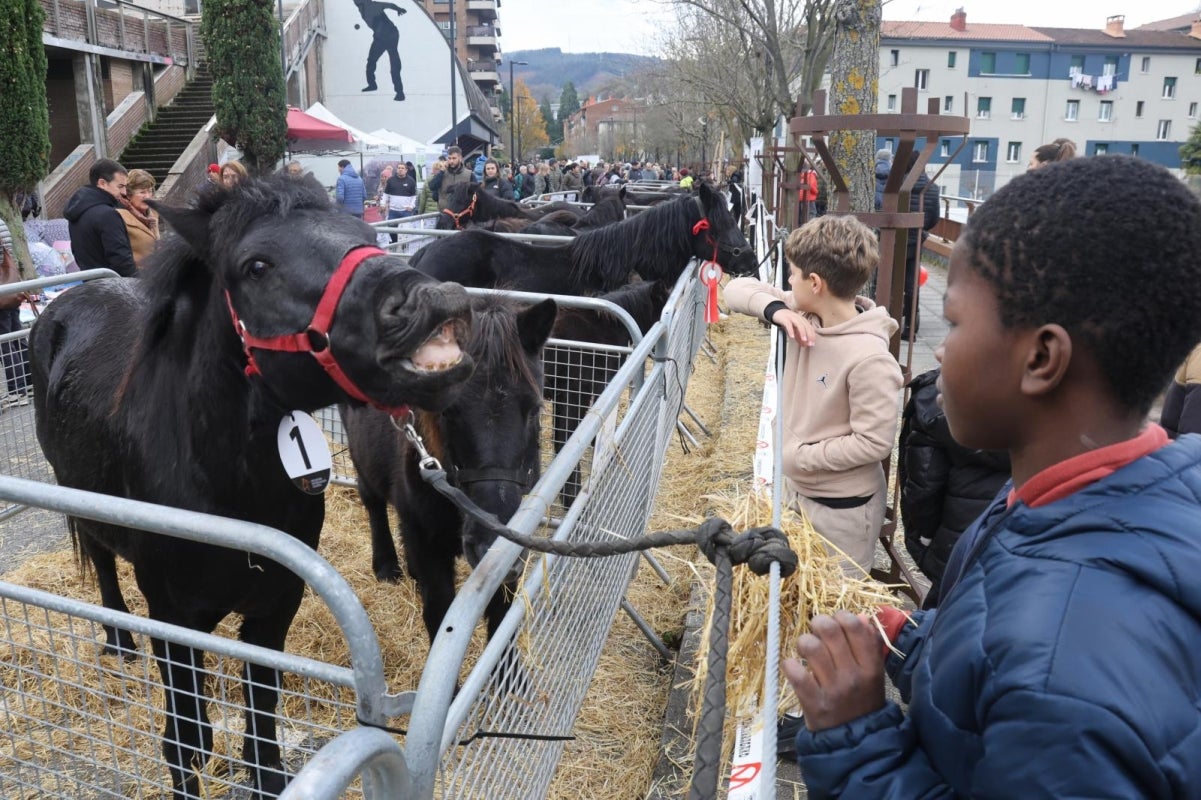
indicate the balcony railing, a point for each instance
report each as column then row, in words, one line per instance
column 127, row 27
column 484, row 7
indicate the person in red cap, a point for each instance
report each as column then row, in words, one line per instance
column 214, row 173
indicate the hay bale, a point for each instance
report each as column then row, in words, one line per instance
column 819, row 586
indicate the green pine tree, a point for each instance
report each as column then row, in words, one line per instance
column 553, row 129
column 242, row 41
column 1190, row 152
column 24, row 118
column 569, row 102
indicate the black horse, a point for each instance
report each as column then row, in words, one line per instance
column 171, row 388
column 576, row 376
column 657, row 244
column 470, row 203
column 488, row 443
column 629, row 196
column 561, row 223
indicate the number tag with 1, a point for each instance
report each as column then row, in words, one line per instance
column 304, row 452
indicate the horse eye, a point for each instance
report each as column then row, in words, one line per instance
column 257, row 269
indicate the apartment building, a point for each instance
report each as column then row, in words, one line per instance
column 476, row 43
column 1110, row 90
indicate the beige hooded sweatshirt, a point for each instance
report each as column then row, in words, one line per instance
column 841, row 396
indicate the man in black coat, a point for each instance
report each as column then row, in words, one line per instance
column 99, row 238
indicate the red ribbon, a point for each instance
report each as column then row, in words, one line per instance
column 711, row 275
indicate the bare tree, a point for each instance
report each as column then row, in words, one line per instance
column 855, row 73
column 751, row 59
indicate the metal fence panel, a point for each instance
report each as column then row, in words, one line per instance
column 532, row 677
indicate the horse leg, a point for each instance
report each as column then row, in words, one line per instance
column 433, row 568
column 384, row 561
column 187, row 734
column 260, row 744
column 117, row 641
column 567, row 418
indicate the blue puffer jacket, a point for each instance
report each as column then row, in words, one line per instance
column 1065, row 662
column 350, row 192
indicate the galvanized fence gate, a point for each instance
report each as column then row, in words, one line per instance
column 81, row 724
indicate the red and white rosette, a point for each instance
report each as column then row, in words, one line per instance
column 711, row 275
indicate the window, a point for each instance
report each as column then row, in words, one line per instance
column 1134, row 149
column 944, row 151
column 1013, row 153
column 1169, row 88
column 892, row 102
column 1146, row 64
column 951, row 55
column 1017, row 109
column 1100, row 149
column 1192, row 110
column 1111, row 65
column 948, row 103
column 1077, row 65
column 983, row 107
column 1197, row 67
column 1105, row 114
column 1022, row 64
column 988, row 63
column 921, row 79
column 1073, row 112
column 1138, row 109
column 894, row 57
column 979, row 151
column 1164, row 130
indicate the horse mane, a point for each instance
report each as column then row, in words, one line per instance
column 495, row 341
column 653, row 239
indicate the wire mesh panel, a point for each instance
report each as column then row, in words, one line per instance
column 569, row 605
column 407, row 243
column 502, row 736
column 76, row 722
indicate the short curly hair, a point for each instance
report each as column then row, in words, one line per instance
column 1108, row 247
column 841, row 249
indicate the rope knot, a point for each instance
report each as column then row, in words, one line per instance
column 759, row 547
column 711, row 534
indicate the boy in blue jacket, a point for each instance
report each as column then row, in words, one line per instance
column 1064, row 658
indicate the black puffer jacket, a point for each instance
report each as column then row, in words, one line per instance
column 98, row 234
column 944, row 485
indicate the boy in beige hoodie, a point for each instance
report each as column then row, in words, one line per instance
column 841, row 385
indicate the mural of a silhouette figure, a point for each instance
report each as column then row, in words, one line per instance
column 384, row 39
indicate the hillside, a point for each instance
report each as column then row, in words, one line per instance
column 550, row 68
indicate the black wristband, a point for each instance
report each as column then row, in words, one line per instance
column 772, row 308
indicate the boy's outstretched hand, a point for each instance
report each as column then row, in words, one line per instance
column 843, row 677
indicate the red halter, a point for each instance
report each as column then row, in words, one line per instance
column 467, row 212
column 315, row 338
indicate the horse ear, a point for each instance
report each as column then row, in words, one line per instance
column 706, row 195
column 191, row 224
column 621, row 194
column 534, row 325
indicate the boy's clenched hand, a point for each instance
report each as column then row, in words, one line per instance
column 843, row 677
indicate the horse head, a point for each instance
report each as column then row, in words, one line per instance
column 461, row 202
column 492, row 432
column 322, row 313
column 717, row 236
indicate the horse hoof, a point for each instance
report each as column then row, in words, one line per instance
column 389, row 574
column 399, row 96
column 122, row 645
column 371, row 87
column 271, row 782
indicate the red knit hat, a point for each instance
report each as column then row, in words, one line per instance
column 214, row 168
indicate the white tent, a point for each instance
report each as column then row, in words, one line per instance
column 379, row 142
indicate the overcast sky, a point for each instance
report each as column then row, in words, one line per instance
column 626, row 26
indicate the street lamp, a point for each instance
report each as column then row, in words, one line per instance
column 513, row 109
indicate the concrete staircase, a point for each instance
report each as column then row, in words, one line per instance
column 158, row 145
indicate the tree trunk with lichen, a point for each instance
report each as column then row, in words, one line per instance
column 855, row 73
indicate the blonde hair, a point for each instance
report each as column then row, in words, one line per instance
column 841, row 249
column 138, row 179
column 236, row 168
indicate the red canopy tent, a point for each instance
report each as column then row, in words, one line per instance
column 307, row 133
